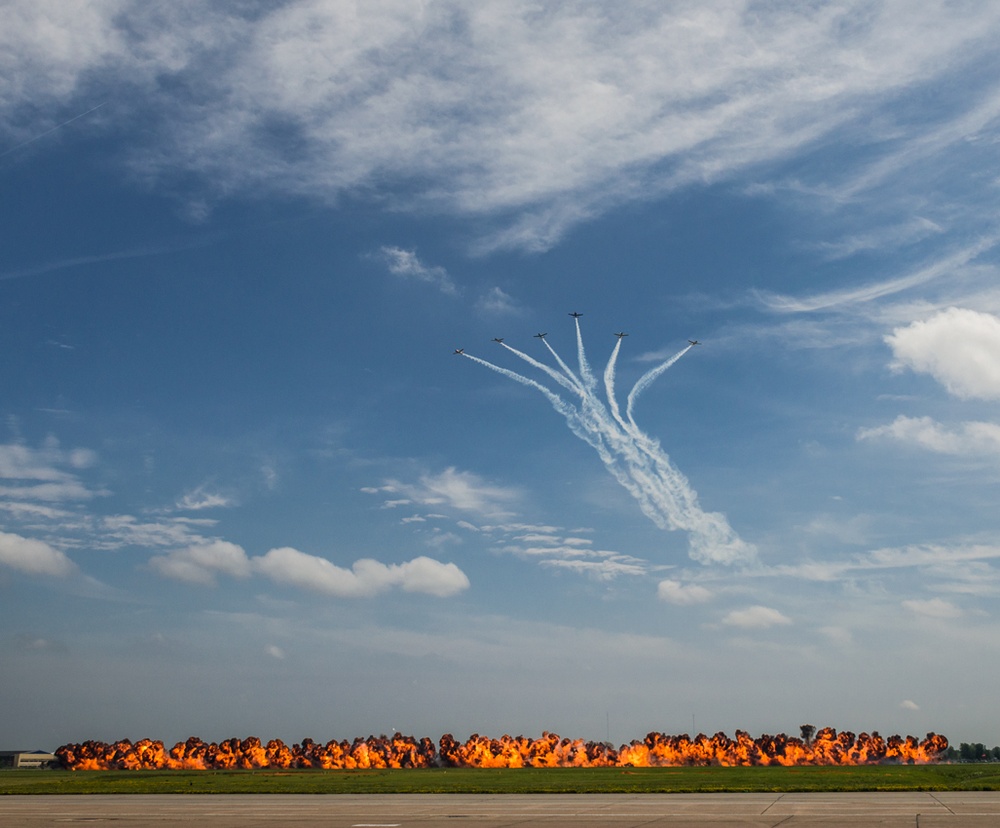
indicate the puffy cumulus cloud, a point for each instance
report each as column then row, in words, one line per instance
column 936, row 608
column 199, row 564
column 970, row 439
column 674, row 592
column 543, row 114
column 959, row 347
column 33, row 557
column 367, row 577
column 406, row 264
column 756, row 618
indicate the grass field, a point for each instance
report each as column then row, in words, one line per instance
column 524, row 780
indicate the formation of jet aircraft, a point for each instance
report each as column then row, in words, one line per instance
column 575, row 315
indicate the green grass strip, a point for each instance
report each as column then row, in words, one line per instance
column 967, row 777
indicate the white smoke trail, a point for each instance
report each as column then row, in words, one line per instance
column 633, row 458
column 646, row 380
column 562, row 407
column 585, row 372
column 568, row 371
column 564, row 381
column 609, row 384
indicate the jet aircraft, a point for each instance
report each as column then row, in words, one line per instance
column 541, row 335
column 498, row 339
column 576, row 315
column 460, row 350
column 694, row 342
column 620, row 334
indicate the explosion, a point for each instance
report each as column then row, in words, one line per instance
column 827, row 747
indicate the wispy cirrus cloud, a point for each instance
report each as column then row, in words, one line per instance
column 537, row 117
column 970, row 439
column 407, row 265
column 462, row 491
column 756, row 618
column 936, row 608
column 203, row 497
column 495, row 302
column 45, row 475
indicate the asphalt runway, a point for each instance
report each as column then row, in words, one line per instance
column 976, row 809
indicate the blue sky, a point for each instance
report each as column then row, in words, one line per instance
column 247, row 488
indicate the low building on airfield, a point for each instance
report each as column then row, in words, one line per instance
column 27, row 759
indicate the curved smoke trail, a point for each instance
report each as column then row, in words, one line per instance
column 633, row 458
column 647, row 379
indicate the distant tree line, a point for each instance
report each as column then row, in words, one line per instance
column 977, row 752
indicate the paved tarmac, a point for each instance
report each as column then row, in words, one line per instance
column 976, row 809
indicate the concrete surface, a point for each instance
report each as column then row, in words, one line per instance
column 976, row 809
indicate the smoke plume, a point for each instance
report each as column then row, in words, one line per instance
column 634, row 459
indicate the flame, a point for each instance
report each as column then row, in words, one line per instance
column 827, row 747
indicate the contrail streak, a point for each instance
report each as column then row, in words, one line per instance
column 609, row 384
column 50, row 131
column 633, row 458
column 646, row 380
column 566, row 369
column 564, row 381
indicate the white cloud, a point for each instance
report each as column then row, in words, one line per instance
column 936, row 608
column 601, row 570
column 464, row 491
column 39, row 474
column 973, row 439
column 366, row 578
column 127, row 530
column 945, row 266
column 49, row 492
column 199, row 564
column 47, row 46
column 406, row 264
column 540, row 114
column 274, row 651
column 907, row 704
column 960, row 564
column 905, row 233
column 496, row 302
column 674, row 592
column 756, row 618
column 33, row 557
column 959, row 347
column 201, row 498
